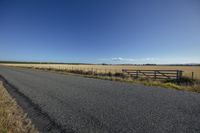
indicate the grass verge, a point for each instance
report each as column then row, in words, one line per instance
column 195, row 87
column 12, row 117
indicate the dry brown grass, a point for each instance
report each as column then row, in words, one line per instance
column 12, row 117
column 114, row 68
column 195, row 87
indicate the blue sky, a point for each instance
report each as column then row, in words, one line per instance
column 97, row 31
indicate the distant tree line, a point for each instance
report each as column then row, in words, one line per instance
column 148, row 64
column 32, row 62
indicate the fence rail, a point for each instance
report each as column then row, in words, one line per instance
column 155, row 74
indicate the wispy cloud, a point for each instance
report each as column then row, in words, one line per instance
column 150, row 60
column 122, row 59
column 128, row 60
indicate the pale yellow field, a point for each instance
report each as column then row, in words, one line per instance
column 114, row 68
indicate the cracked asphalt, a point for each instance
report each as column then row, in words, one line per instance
column 86, row 105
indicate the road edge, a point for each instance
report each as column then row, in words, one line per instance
column 42, row 121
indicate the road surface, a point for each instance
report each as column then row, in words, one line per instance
column 85, row 105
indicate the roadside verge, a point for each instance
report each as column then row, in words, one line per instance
column 12, row 117
column 40, row 119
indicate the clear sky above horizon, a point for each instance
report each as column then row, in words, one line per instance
column 100, row 31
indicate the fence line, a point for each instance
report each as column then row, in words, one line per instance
column 155, row 74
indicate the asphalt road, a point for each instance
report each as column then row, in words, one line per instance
column 90, row 105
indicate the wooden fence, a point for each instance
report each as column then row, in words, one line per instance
column 155, row 74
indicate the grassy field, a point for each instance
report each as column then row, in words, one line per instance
column 114, row 68
column 12, row 117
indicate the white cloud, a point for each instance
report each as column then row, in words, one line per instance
column 122, row 59
column 128, row 60
column 133, row 60
column 117, row 59
column 151, row 60
column 148, row 60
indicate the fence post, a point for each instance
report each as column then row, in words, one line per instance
column 176, row 75
column 137, row 74
column 181, row 73
column 192, row 75
column 155, row 74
